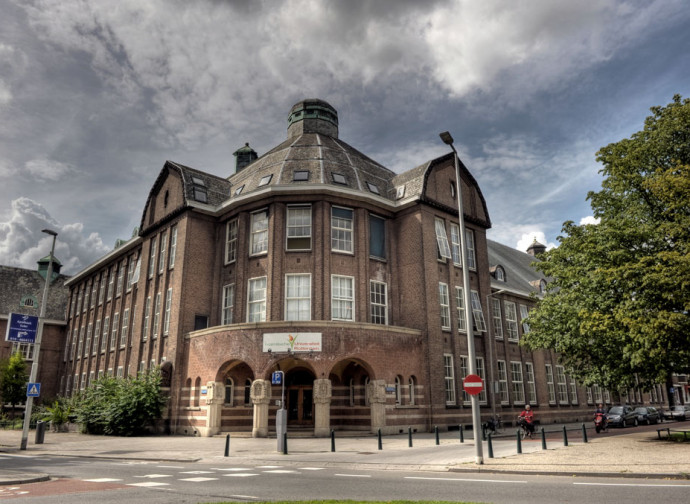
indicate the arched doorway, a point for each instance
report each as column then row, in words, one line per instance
column 299, row 397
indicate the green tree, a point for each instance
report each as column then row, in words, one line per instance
column 617, row 310
column 13, row 380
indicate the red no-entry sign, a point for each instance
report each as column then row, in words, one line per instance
column 472, row 384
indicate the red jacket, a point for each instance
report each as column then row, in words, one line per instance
column 528, row 415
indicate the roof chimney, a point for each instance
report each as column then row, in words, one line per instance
column 244, row 156
column 536, row 248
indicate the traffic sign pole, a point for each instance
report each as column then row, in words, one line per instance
column 37, row 345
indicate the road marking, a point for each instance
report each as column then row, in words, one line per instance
column 355, row 475
column 102, row 480
column 267, row 467
column 231, row 469
column 197, row 480
column 196, row 472
column 282, row 471
column 244, row 497
column 634, row 484
column 148, row 484
column 462, row 479
column 240, row 475
column 154, row 476
column 170, row 467
column 312, row 468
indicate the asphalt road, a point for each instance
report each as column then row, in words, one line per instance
column 102, row 481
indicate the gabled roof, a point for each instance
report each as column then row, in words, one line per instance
column 521, row 277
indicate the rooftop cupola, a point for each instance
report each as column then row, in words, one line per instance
column 536, row 248
column 244, row 156
column 312, row 116
column 43, row 267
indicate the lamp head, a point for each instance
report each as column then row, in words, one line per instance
column 49, row 231
column 446, row 137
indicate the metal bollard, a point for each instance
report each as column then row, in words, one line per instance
column 543, row 439
column 380, row 442
column 285, row 448
column 409, row 437
column 227, row 445
column 584, row 433
column 565, row 437
column 332, row 440
column 519, row 441
column 491, row 445
column 462, row 434
column 436, row 432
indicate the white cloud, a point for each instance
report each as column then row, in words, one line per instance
column 22, row 243
column 47, row 169
column 529, row 237
column 590, row 219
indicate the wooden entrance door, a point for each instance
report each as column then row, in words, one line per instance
column 300, row 405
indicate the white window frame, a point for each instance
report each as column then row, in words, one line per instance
column 114, row 331
column 156, row 316
column 531, row 383
column 298, row 224
column 442, row 238
column 228, row 309
column 342, row 298
column 573, row 390
column 471, row 253
column 25, row 349
column 161, row 255
column 152, row 255
column 517, row 382
column 96, row 336
column 503, row 382
column 231, row 236
column 298, row 296
column 120, row 278
column 125, row 328
column 342, row 229
column 481, row 372
column 101, row 289
column 449, row 373
column 111, row 284
column 455, row 244
column 550, row 384
column 256, row 299
column 477, row 312
column 147, row 318
column 173, row 246
column 258, row 241
column 444, row 306
column 378, row 302
column 106, row 334
column 460, row 309
column 168, row 305
column 87, row 343
column 511, row 321
column 524, row 313
column 562, row 385
column 497, row 318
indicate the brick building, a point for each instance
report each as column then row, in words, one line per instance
column 316, row 261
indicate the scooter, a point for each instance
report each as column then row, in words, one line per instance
column 600, row 422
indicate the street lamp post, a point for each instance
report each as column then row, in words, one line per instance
column 37, row 344
column 476, row 417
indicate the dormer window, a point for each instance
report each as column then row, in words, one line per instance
column 373, row 188
column 199, row 190
column 338, row 178
column 238, row 191
column 542, row 287
column 300, row 176
column 400, row 192
column 265, row 180
column 500, row 274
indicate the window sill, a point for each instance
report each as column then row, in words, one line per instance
column 407, row 406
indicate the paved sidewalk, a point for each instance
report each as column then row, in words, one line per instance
column 638, row 452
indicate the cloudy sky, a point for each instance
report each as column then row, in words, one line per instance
column 95, row 95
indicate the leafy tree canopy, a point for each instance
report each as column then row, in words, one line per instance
column 13, row 379
column 618, row 307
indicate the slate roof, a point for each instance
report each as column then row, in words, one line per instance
column 521, row 277
column 18, row 282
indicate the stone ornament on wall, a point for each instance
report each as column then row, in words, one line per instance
column 260, row 392
column 376, row 391
column 322, row 391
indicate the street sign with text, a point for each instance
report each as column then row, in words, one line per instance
column 21, row 328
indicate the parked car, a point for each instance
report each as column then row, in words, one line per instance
column 647, row 415
column 679, row 412
column 620, row 416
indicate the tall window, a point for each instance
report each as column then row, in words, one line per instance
column 228, row 304
column 562, row 385
column 518, row 386
column 412, row 386
column 96, row 335
column 87, row 345
column 256, row 308
column 115, row 329
column 152, row 256
column 455, row 243
column 111, row 284
column 298, row 297
column 229, row 391
column 342, row 298
column 573, row 391
column 464, row 371
column 511, row 320
column 450, row 379
column 161, row 257
column 259, row 233
column 94, row 291
column 120, row 278
column 156, row 316
column 503, row 382
column 469, row 245
column 460, row 303
column 550, row 386
column 25, row 349
column 173, row 246
column 398, row 390
column 125, row 328
column 531, row 384
column 442, row 239
column 166, row 319
column 477, row 312
column 101, row 290
column 130, row 272
column 341, row 229
column 496, row 317
column 444, row 300
column 590, row 399
column 106, row 334
column 231, row 241
column 299, row 228
column 147, row 317
column 378, row 302
column 523, row 315
column 377, row 237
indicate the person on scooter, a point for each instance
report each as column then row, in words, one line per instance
column 601, row 411
column 528, row 416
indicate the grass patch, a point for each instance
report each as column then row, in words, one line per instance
column 679, row 437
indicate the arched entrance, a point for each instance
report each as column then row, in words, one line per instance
column 299, row 397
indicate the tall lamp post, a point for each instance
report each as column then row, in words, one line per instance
column 37, row 344
column 476, row 417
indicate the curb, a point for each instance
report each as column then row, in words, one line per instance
column 574, row 474
column 22, row 478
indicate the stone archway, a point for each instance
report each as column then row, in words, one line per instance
column 352, row 381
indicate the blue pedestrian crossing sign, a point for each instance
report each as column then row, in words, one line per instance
column 33, row 390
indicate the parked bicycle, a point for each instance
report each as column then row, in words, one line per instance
column 494, row 425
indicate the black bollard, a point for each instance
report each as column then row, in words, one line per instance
column 584, row 433
column 227, row 445
column 543, row 439
column 436, row 432
column 490, row 444
column 409, row 437
column 565, row 437
column 519, row 441
column 285, row 449
column 380, row 442
column 462, row 434
column 332, row 440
